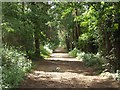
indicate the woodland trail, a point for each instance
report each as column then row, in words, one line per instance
column 63, row 71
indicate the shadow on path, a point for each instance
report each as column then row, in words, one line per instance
column 63, row 71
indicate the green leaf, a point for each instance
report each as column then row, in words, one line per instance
column 116, row 25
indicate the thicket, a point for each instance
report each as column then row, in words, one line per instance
column 95, row 61
column 14, row 67
column 89, row 59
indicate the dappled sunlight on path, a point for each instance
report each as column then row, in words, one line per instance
column 61, row 57
column 64, row 77
column 63, row 71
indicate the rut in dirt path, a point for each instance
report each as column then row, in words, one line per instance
column 63, row 71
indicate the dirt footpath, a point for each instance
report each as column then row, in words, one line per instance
column 63, row 71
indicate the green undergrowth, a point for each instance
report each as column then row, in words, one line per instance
column 74, row 52
column 115, row 76
column 14, row 67
column 96, row 61
column 89, row 59
column 45, row 51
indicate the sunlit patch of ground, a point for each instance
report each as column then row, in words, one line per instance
column 66, row 80
column 65, row 77
column 62, row 71
column 61, row 57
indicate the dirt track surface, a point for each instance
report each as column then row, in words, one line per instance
column 63, row 71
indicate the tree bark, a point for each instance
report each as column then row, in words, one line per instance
column 77, row 29
column 37, row 44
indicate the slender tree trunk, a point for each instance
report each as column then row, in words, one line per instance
column 36, row 36
column 77, row 29
column 26, row 47
column 73, row 40
column 37, row 43
column 117, row 47
column 67, row 43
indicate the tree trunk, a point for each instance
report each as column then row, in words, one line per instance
column 117, row 47
column 36, row 36
column 77, row 29
column 67, row 43
column 37, row 43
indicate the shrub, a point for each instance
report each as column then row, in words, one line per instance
column 86, row 43
column 80, row 55
column 14, row 67
column 92, row 60
column 89, row 59
column 115, row 76
column 83, row 41
column 74, row 52
column 45, row 51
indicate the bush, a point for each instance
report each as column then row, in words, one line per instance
column 86, row 43
column 45, row 51
column 92, row 60
column 80, row 55
column 74, row 52
column 83, row 41
column 14, row 67
column 115, row 76
column 89, row 59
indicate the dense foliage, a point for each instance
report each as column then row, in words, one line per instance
column 25, row 27
column 14, row 67
column 92, row 28
column 89, row 59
